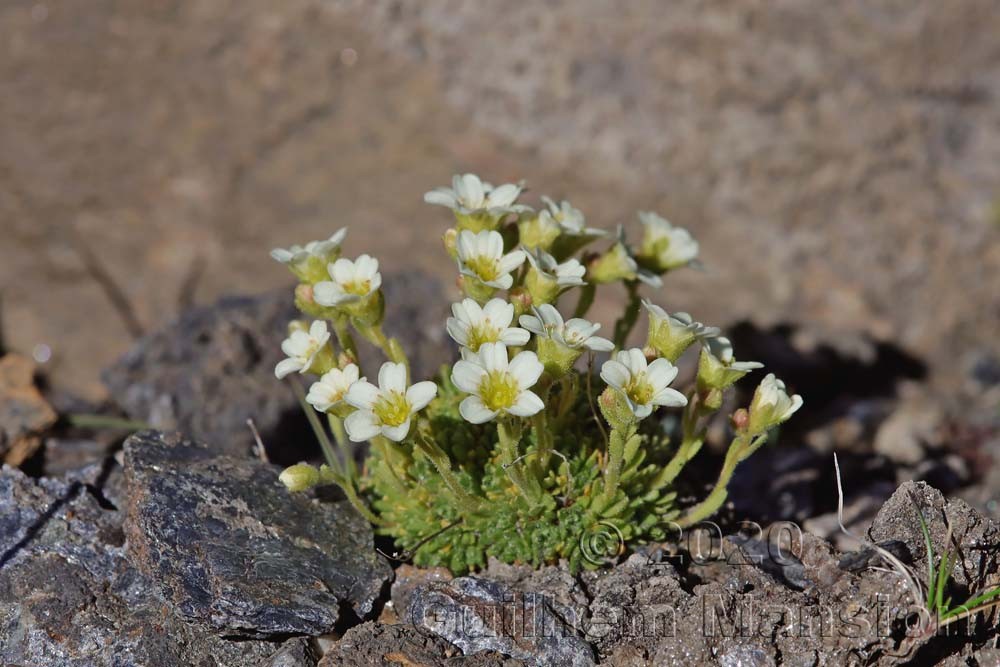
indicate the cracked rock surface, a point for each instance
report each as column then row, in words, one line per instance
column 230, row 547
column 70, row 598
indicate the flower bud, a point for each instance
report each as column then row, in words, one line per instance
column 305, row 301
column 615, row 408
column 539, row 231
column 522, row 301
column 740, row 419
column 299, row 477
column 771, row 405
column 450, row 239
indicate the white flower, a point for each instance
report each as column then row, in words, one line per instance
column 473, row 325
column 387, row 408
column 570, row 219
column 497, row 386
column 480, row 255
column 568, row 274
column 577, row 333
column 302, row 348
column 318, row 249
column 671, row 334
column 644, row 386
column 350, row 281
column 720, row 348
column 717, row 368
column 332, row 387
column 771, row 404
column 664, row 246
column 468, row 194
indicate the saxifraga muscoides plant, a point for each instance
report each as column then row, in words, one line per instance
column 515, row 452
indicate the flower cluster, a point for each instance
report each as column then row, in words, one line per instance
column 508, row 442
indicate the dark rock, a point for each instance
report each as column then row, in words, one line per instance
column 213, row 369
column 69, row 597
column 977, row 535
column 231, row 547
column 210, row 371
column 479, row 614
column 856, row 561
column 783, row 566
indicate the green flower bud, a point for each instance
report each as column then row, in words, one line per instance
column 309, row 263
column 299, row 477
column 539, row 231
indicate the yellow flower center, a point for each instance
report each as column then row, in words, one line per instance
column 638, row 390
column 484, row 267
column 358, row 287
column 392, row 408
column 480, row 334
column 498, row 390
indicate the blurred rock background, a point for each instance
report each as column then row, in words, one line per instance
column 839, row 162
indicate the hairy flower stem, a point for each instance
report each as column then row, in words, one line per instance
column 543, row 430
column 390, row 347
column 742, row 446
column 443, row 465
column 691, row 441
column 620, row 435
column 345, row 339
column 625, row 324
column 509, row 431
column 317, row 426
column 344, row 445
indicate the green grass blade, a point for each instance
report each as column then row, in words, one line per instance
column 930, row 552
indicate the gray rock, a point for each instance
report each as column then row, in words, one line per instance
column 213, row 369
column 210, row 371
column 478, row 614
column 231, row 547
column 70, row 598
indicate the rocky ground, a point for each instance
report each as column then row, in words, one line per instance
column 839, row 162
column 171, row 549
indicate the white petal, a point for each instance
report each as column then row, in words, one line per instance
column 527, row 404
column 466, row 376
column 397, row 433
column 503, row 282
column 669, row 397
column 642, row 411
column 661, row 373
column 472, row 191
column 362, row 395
column 362, row 425
column 504, row 195
column 615, row 373
column 494, row 356
column 491, row 244
column 474, row 411
column 392, row 377
column 328, row 293
column 286, row 367
column 532, row 324
column 526, row 369
column 459, row 331
column 420, row 394
column 598, row 344
column 514, row 336
column 466, row 245
column 441, row 197
column 511, row 260
column 636, row 360
column 282, row 255
column 499, row 312
column 550, row 315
